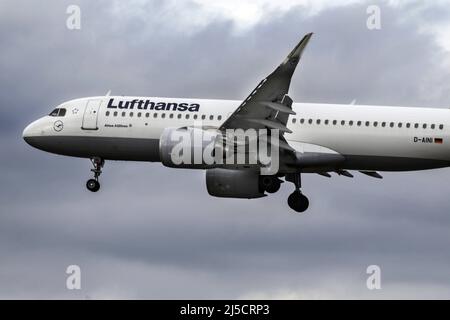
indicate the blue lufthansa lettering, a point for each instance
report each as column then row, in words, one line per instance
column 150, row 105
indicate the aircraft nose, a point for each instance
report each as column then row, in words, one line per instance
column 29, row 132
column 36, row 135
column 26, row 133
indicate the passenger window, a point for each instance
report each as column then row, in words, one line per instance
column 391, row 124
column 326, row 122
column 302, row 121
column 171, row 116
column 139, row 114
column 359, row 123
column 203, row 117
column 416, row 125
column 433, row 126
column 408, row 125
column 123, row 114
column 367, row 123
column 375, row 124
column 343, row 122
column 187, row 116
column 131, row 114
column 147, row 115
column 115, row 114
column 383, row 124
column 211, row 117
column 163, row 115
column 107, row 113
column 155, row 115
column 179, row 116
column 441, row 126
column 350, row 122
column 318, row 121
column 424, row 125
column 219, row 118
column 399, row 124
column 294, row 120
column 310, row 121
column 334, row 122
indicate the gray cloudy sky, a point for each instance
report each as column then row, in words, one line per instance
column 153, row 232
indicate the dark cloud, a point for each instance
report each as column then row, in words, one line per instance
column 153, row 232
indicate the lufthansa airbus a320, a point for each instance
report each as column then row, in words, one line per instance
column 311, row 138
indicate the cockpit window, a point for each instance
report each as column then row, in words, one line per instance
column 58, row 112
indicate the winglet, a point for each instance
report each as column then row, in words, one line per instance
column 294, row 56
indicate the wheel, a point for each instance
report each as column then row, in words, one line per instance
column 93, row 185
column 273, row 187
column 298, row 202
column 270, row 184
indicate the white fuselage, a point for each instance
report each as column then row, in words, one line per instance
column 369, row 137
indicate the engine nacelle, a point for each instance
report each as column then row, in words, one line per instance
column 191, row 148
column 228, row 183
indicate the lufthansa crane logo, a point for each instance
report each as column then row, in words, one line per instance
column 58, row 125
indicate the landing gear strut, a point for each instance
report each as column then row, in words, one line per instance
column 297, row 201
column 92, row 184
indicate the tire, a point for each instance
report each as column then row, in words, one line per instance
column 93, row 185
column 274, row 187
column 298, row 202
column 270, row 184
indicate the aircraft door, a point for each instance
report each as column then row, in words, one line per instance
column 90, row 116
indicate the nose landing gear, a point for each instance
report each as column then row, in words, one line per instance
column 92, row 184
column 297, row 201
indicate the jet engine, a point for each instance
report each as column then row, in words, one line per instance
column 191, row 148
column 231, row 183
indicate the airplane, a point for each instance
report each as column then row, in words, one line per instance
column 312, row 138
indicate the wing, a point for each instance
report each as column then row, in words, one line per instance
column 268, row 106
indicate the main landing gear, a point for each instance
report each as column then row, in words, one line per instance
column 92, row 184
column 297, row 201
